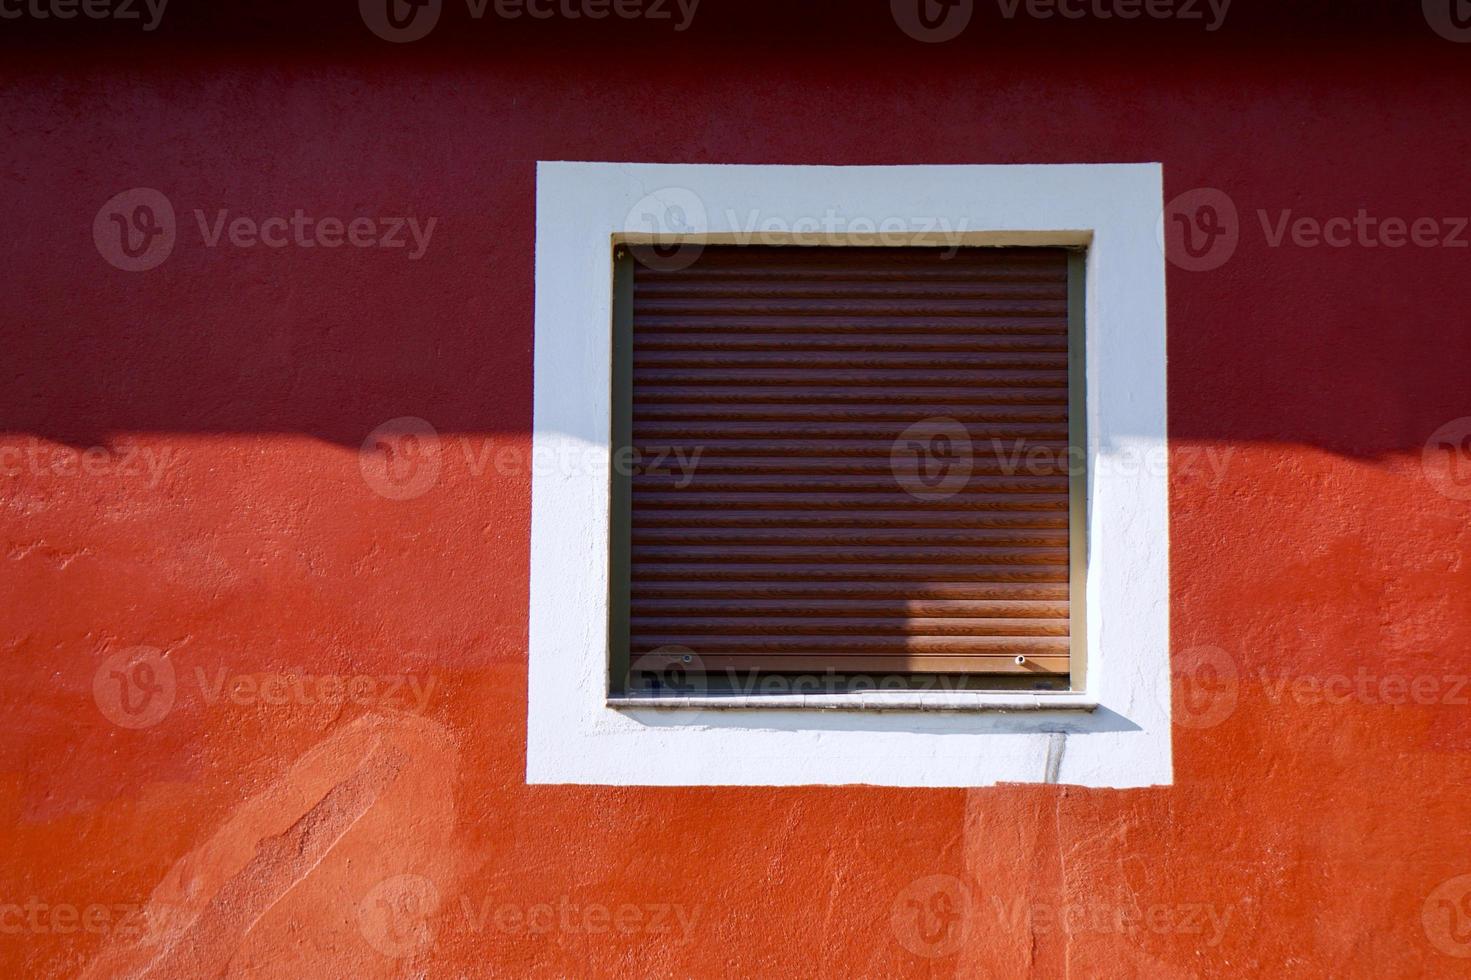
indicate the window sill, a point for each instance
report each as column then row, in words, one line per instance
column 953, row 701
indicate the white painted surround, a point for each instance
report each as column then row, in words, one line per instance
column 1114, row 733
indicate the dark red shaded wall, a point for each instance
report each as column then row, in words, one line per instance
column 1319, row 831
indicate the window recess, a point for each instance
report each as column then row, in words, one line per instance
column 861, row 466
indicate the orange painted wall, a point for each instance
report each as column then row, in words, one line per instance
column 1305, row 834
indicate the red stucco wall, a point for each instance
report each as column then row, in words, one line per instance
column 1305, row 834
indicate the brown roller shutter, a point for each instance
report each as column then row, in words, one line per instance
column 833, row 518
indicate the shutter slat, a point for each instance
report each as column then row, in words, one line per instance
column 733, row 571
column 848, row 590
column 812, row 483
column 666, row 453
column 997, row 324
column 851, row 590
column 795, row 626
column 731, row 360
column 691, row 394
column 745, row 340
column 878, row 606
column 777, row 523
column 977, row 430
column 735, row 374
column 693, row 498
column 845, row 554
column 869, row 537
column 844, row 413
column 798, row 463
column 869, row 666
column 839, row 291
column 852, row 518
column 751, row 306
column 872, row 645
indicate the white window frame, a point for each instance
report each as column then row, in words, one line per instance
column 1113, row 732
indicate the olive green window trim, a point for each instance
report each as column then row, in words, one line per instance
column 620, row 488
column 1078, row 472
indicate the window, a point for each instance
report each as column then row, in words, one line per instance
column 618, row 558
column 847, row 469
